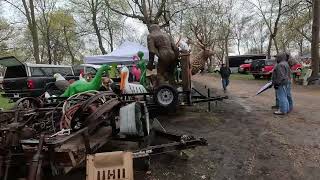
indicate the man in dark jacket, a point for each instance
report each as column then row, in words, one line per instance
column 225, row 74
column 281, row 78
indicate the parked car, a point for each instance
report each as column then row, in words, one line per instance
column 264, row 68
column 92, row 69
column 244, row 68
column 30, row 80
column 85, row 68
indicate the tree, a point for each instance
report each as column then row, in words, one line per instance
column 95, row 17
column 239, row 30
column 148, row 11
column 28, row 10
column 90, row 11
column 315, row 37
column 46, row 7
column 63, row 40
column 6, row 31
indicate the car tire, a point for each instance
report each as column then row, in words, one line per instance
column 166, row 96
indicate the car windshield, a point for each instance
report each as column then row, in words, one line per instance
column 270, row 62
column 50, row 71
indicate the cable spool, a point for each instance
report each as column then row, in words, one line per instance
column 134, row 120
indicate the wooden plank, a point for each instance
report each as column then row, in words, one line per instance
column 77, row 144
column 186, row 74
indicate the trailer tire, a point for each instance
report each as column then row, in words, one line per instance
column 166, row 96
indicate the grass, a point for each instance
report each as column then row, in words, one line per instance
column 4, row 103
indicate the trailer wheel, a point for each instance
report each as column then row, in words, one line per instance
column 166, row 96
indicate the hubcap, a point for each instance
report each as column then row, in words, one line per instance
column 165, row 96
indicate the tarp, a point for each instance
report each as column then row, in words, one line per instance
column 122, row 55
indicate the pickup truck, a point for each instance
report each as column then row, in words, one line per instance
column 264, row 68
column 244, row 68
column 30, row 80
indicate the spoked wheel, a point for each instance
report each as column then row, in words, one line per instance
column 28, row 103
column 166, row 96
column 76, row 115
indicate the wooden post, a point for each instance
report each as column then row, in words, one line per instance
column 186, row 74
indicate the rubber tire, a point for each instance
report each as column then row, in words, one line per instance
column 174, row 102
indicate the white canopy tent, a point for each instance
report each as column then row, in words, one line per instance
column 122, row 55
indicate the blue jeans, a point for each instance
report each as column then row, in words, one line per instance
column 277, row 99
column 225, row 83
column 285, row 98
column 289, row 96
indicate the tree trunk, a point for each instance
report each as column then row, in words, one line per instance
column 110, row 31
column 226, row 44
column 68, row 45
column 239, row 46
column 97, row 31
column 275, row 28
column 269, row 47
column 300, row 44
column 315, row 38
column 29, row 13
column 48, row 45
column 35, row 38
column 95, row 26
column 261, row 40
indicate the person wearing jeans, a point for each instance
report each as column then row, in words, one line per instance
column 276, row 106
column 225, row 74
column 281, row 80
column 283, row 100
column 225, row 83
column 289, row 97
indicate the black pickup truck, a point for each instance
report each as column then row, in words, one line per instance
column 30, row 80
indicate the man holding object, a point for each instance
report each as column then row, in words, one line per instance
column 281, row 79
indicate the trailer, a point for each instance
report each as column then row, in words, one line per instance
column 39, row 140
column 51, row 136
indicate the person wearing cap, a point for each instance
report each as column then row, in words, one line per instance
column 225, row 74
column 281, row 79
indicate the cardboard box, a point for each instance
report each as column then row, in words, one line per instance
column 110, row 166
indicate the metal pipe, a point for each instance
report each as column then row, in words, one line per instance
column 210, row 99
column 209, row 102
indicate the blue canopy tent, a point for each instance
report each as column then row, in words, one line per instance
column 122, row 55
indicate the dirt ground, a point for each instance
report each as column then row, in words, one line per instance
column 246, row 141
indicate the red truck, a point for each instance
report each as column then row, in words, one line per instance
column 264, row 67
column 244, row 68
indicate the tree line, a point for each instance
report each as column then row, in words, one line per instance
column 60, row 31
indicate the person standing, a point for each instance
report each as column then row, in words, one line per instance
column 225, row 74
column 281, row 80
column 276, row 106
column 289, row 95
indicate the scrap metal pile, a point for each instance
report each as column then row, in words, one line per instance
column 61, row 125
column 53, row 136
